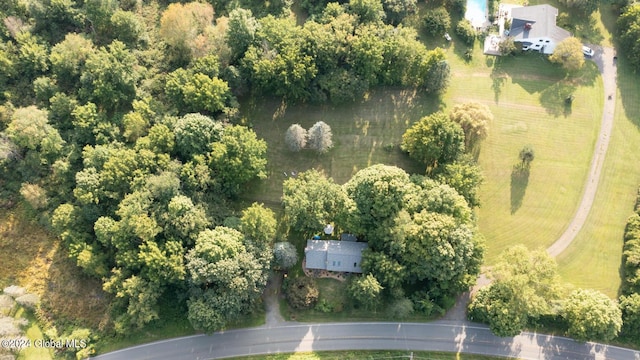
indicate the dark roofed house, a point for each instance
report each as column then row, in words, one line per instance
column 535, row 28
column 334, row 255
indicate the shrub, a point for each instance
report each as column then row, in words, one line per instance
column 15, row 291
column 302, row 293
column 466, row 32
column 400, row 309
column 8, row 327
column 284, row 255
column 28, row 300
column 6, row 304
column 296, row 137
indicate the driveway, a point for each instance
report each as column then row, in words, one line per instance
column 604, row 59
column 436, row 336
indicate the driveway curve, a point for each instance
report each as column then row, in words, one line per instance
column 604, row 59
column 435, row 336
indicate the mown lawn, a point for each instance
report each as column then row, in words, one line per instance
column 369, row 355
column 526, row 95
column 593, row 259
column 366, row 133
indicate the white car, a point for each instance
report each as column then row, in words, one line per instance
column 587, row 51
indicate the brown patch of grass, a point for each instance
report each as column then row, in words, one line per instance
column 34, row 259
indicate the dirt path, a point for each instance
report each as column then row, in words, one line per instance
column 604, row 60
column 271, row 298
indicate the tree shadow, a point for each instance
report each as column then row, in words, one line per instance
column 554, row 98
column 629, row 88
column 498, row 79
column 519, row 183
column 587, row 29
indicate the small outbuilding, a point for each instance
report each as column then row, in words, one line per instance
column 334, row 255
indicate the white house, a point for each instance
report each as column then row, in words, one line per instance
column 535, row 28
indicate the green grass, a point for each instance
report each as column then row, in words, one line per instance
column 369, row 355
column 598, row 247
column 364, row 134
column 32, row 332
column 526, row 95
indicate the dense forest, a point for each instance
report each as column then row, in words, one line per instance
column 120, row 132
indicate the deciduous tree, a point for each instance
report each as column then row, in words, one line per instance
column 568, row 53
column 437, row 21
column 319, row 137
column 296, row 137
column 238, row 157
column 434, row 140
column 311, row 200
column 474, row 118
column 592, row 316
column 366, row 290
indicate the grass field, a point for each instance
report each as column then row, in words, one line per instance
column 526, row 95
column 370, row 355
column 364, row 134
column 599, row 244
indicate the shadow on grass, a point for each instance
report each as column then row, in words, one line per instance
column 629, row 86
column 498, row 78
column 554, row 99
column 519, row 183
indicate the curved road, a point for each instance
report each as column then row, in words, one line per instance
column 604, row 59
column 436, row 336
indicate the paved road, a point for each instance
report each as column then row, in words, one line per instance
column 604, row 59
column 436, row 336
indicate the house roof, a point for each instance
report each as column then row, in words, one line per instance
column 541, row 20
column 334, row 255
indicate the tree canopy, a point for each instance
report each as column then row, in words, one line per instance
column 568, row 53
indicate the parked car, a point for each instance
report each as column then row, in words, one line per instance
column 587, row 51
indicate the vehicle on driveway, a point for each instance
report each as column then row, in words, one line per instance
column 587, row 51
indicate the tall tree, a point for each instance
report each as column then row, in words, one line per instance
column 378, row 192
column 628, row 27
column 568, row 53
column 474, row 118
column 110, row 77
column 592, row 316
column 434, row 140
column 311, row 200
column 258, row 224
column 195, row 133
column 526, row 286
column 238, row 157
column 241, row 32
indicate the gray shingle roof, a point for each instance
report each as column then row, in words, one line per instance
column 543, row 23
column 334, row 255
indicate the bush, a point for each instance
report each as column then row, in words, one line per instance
column 284, row 255
column 466, row 32
column 15, row 291
column 296, row 137
column 437, row 22
column 6, row 304
column 28, row 300
column 8, row 327
column 302, row 293
column 400, row 309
